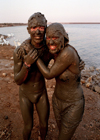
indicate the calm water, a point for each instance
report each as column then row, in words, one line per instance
column 84, row 37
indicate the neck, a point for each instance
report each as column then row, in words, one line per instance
column 37, row 45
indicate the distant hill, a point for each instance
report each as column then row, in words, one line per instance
column 11, row 24
column 21, row 24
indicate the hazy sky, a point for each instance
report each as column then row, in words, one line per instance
column 54, row 10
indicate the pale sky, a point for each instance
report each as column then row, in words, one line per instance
column 18, row 11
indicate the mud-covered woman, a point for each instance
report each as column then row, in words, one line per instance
column 68, row 99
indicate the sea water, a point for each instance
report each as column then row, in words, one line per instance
column 84, row 37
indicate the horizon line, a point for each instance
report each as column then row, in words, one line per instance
column 52, row 22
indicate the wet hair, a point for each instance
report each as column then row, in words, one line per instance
column 58, row 27
column 37, row 18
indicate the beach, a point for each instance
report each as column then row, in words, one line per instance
column 11, row 123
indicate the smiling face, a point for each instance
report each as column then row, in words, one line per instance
column 37, row 33
column 36, row 28
column 54, row 40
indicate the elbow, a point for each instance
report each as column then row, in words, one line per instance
column 18, row 82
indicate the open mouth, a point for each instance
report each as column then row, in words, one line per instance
column 52, row 47
column 37, row 37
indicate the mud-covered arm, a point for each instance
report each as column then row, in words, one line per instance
column 20, row 72
column 63, row 61
column 21, row 68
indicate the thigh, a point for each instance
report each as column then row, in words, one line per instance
column 26, row 109
column 72, row 113
column 71, row 117
column 43, row 107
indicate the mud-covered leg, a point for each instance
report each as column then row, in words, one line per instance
column 27, row 114
column 70, row 118
column 56, row 109
column 66, row 136
column 43, row 110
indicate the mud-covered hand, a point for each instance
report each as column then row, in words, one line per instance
column 31, row 57
column 81, row 65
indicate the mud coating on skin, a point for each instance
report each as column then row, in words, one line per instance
column 32, row 89
column 68, row 99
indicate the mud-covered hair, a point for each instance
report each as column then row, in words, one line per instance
column 37, row 17
column 58, row 27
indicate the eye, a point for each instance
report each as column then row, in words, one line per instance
column 33, row 28
column 47, row 38
column 41, row 28
column 54, row 38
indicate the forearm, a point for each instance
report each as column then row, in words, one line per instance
column 43, row 69
column 21, row 76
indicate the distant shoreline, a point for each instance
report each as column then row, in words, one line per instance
column 22, row 24
column 12, row 24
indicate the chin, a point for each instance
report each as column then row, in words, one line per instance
column 53, row 51
column 38, row 41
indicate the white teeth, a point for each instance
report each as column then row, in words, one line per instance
column 37, row 37
column 52, row 47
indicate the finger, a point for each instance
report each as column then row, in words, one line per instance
column 34, row 54
column 36, row 58
column 35, row 51
column 81, row 63
column 25, row 56
column 81, row 66
column 30, row 52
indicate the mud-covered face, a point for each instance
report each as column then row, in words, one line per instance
column 54, row 41
column 36, row 31
column 37, row 34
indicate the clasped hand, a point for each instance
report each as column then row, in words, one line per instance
column 31, row 57
column 81, row 65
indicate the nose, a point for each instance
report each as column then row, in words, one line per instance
column 37, row 31
column 51, row 42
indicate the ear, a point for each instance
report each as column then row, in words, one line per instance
column 66, row 37
column 28, row 29
column 62, row 46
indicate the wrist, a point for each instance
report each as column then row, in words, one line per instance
column 27, row 65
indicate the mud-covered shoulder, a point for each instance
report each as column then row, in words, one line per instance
column 71, row 47
column 67, row 52
column 26, row 42
column 23, row 49
column 19, row 52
